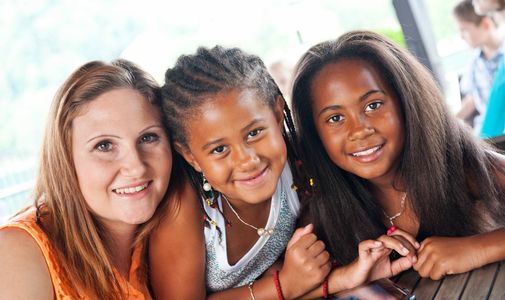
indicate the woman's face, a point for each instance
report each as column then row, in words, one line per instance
column 122, row 157
column 358, row 119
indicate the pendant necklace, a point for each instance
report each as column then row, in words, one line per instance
column 398, row 214
column 261, row 231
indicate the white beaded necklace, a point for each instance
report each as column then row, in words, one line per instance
column 398, row 214
column 261, row 231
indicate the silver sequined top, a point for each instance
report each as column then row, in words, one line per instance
column 267, row 249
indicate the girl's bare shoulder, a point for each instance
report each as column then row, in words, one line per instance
column 177, row 246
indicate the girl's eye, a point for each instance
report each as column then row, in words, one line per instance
column 335, row 119
column 373, row 106
column 254, row 132
column 218, row 150
column 149, row 138
column 104, row 146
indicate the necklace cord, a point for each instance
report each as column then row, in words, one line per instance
column 398, row 214
column 261, row 231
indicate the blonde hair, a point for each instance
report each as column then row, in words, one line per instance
column 61, row 209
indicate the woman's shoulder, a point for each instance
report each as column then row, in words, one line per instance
column 24, row 268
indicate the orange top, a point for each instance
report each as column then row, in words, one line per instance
column 133, row 288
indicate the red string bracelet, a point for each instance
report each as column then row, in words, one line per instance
column 278, row 285
column 325, row 289
column 391, row 230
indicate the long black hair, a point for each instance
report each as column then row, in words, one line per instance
column 445, row 169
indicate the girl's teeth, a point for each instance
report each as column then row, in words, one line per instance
column 366, row 152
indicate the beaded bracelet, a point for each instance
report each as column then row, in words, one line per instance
column 250, row 286
column 280, row 296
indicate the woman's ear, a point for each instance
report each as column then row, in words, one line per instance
column 188, row 156
column 279, row 110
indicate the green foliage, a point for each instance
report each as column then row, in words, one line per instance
column 395, row 35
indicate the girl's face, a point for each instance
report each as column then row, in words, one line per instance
column 358, row 119
column 122, row 157
column 236, row 141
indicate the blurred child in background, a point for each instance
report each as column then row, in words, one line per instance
column 483, row 34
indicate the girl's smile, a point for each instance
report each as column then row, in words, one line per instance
column 369, row 154
column 358, row 119
column 255, row 179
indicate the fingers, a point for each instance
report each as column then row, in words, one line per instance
column 399, row 265
column 323, row 260
column 369, row 245
column 400, row 245
column 299, row 233
column 425, row 269
column 429, row 264
column 412, row 240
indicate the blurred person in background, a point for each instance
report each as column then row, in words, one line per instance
column 494, row 121
column 483, row 34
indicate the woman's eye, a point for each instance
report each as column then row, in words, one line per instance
column 335, row 119
column 254, row 132
column 104, row 146
column 218, row 150
column 373, row 106
column 149, row 138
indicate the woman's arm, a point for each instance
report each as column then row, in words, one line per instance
column 24, row 272
column 177, row 251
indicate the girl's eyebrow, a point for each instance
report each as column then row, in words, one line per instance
column 252, row 123
column 208, row 144
column 365, row 95
column 360, row 99
column 245, row 128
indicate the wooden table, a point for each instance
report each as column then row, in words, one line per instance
column 487, row 282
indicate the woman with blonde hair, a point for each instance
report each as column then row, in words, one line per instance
column 104, row 171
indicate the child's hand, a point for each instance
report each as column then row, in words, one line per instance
column 374, row 261
column 440, row 256
column 404, row 244
column 306, row 263
column 369, row 253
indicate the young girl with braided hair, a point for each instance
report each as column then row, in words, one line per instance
column 232, row 125
column 391, row 155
